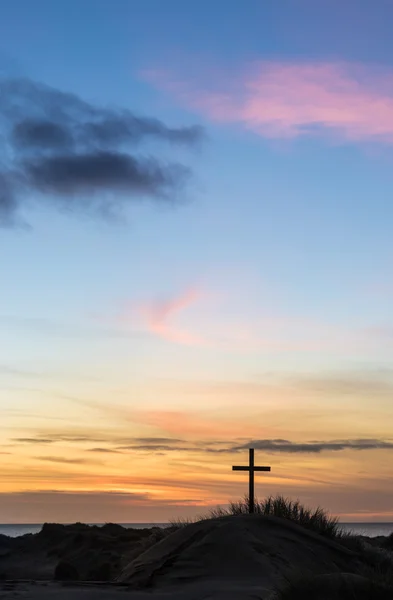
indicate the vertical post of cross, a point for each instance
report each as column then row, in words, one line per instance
column 251, row 482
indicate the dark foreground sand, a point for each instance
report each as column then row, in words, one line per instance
column 231, row 558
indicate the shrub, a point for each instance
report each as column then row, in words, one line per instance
column 65, row 571
column 378, row 563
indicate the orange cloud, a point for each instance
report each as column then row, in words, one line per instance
column 286, row 100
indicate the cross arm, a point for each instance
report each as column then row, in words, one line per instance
column 241, row 468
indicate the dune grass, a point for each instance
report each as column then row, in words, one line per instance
column 317, row 520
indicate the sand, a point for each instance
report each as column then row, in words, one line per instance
column 231, row 558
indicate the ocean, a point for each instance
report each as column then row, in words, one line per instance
column 17, row 530
column 369, row 529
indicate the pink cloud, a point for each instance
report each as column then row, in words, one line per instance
column 241, row 332
column 159, row 316
column 286, row 100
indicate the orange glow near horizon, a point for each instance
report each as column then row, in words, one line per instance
column 182, row 462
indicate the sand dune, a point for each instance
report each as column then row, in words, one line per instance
column 247, row 551
column 230, row 558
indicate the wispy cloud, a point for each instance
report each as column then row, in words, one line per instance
column 189, row 318
column 159, row 317
column 33, row 440
column 160, row 448
column 89, row 437
column 158, row 440
column 66, row 461
column 191, row 425
column 104, row 451
column 283, row 99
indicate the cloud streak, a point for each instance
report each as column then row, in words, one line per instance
column 275, row 446
column 37, row 440
column 79, row 156
column 314, row 447
column 210, row 446
column 158, row 317
column 282, row 99
column 62, row 460
column 104, row 451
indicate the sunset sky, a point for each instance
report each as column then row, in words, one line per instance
column 196, row 254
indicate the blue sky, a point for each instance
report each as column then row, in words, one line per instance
column 262, row 284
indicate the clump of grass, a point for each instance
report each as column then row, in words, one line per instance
column 317, row 519
column 217, row 513
column 180, row 522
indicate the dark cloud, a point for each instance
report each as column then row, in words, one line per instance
column 8, row 199
column 71, row 174
column 34, row 133
column 168, row 445
column 78, row 155
column 314, row 447
column 268, row 446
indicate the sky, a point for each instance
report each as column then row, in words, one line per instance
column 196, row 256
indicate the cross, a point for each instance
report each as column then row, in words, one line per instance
column 251, row 470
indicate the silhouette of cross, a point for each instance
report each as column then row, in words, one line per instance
column 251, row 470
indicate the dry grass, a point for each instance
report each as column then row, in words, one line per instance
column 317, row 519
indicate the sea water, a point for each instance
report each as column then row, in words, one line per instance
column 368, row 529
column 17, row 530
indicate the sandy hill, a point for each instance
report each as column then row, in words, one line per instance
column 93, row 553
column 247, row 550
